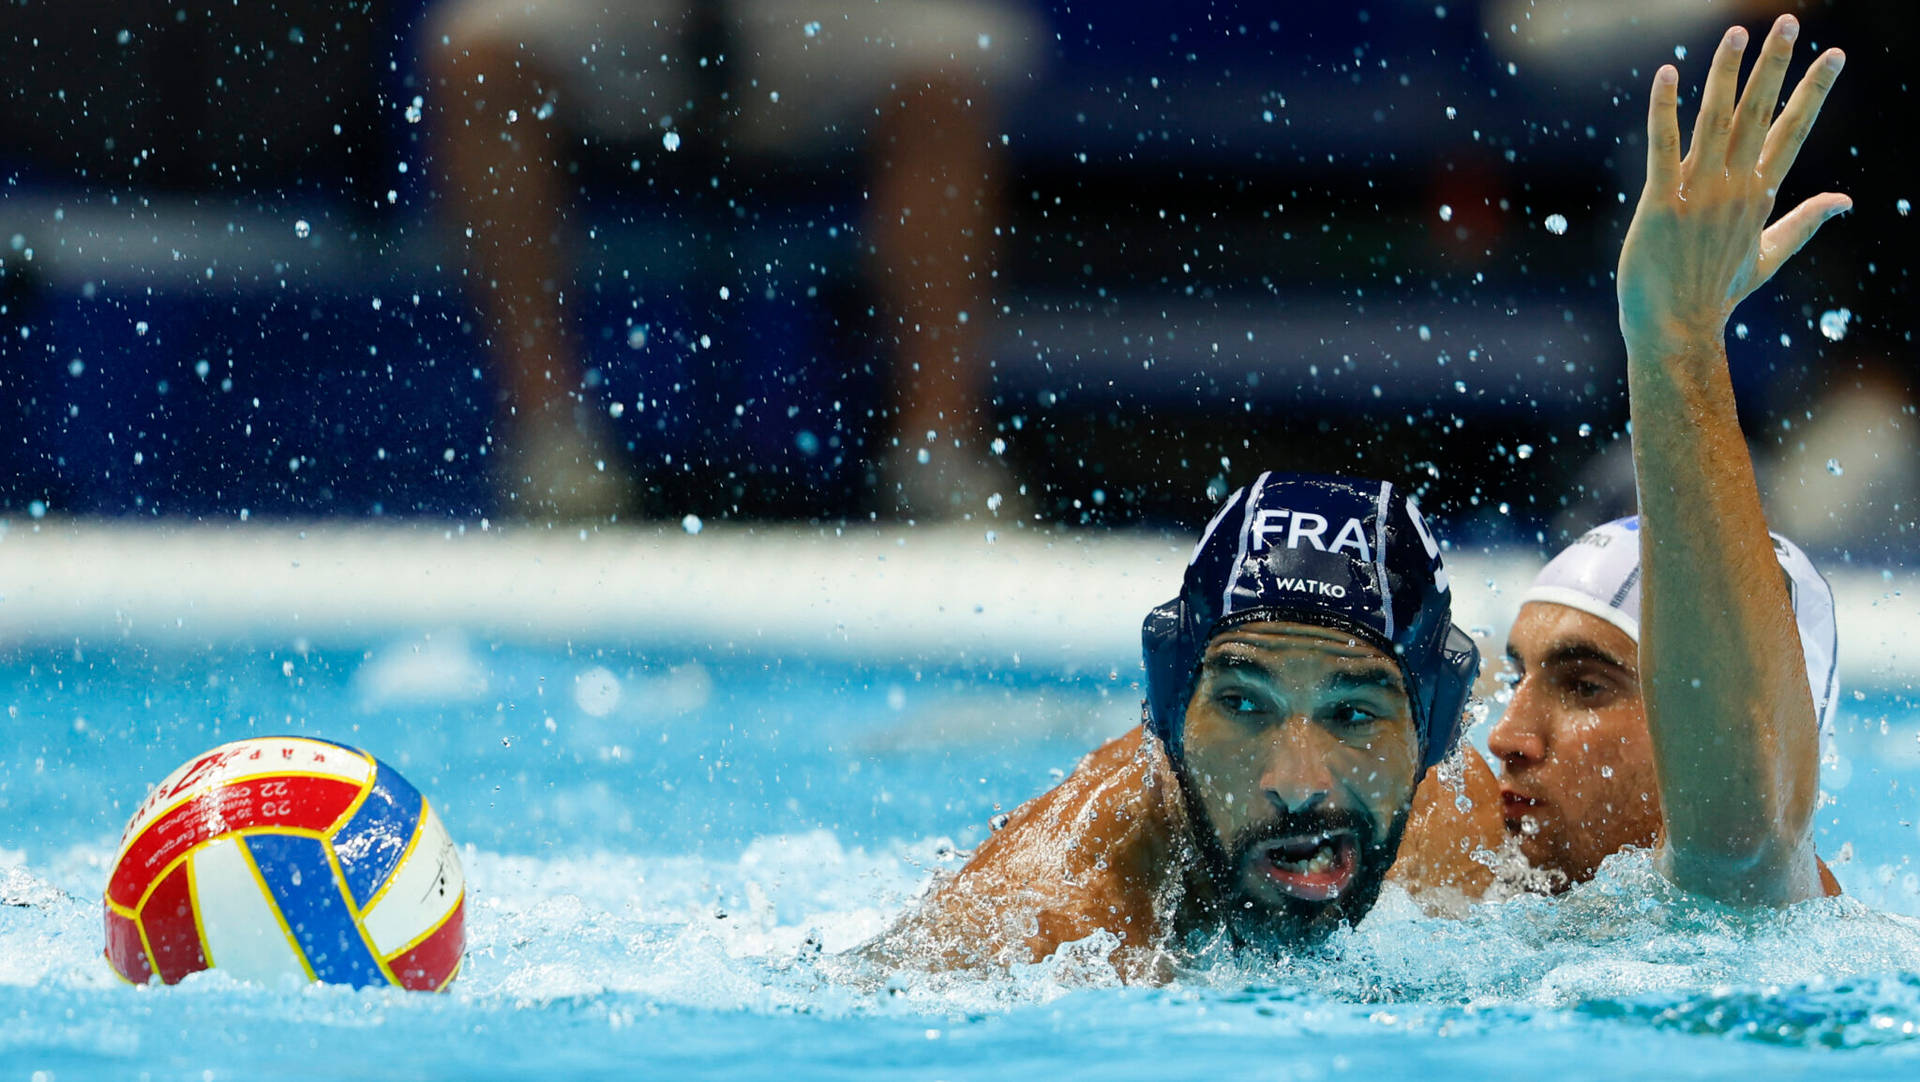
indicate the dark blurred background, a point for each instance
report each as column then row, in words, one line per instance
column 1372, row 239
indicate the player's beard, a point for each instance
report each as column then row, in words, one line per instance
column 1288, row 922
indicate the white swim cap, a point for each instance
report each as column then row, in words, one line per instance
column 1600, row 574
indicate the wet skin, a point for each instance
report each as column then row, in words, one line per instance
column 1302, row 754
column 1577, row 774
column 1577, row 778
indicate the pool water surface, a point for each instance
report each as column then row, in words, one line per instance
column 667, row 849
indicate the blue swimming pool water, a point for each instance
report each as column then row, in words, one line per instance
column 665, row 849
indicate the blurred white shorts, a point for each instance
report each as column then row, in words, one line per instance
column 806, row 75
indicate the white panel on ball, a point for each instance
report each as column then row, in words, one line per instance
column 420, row 892
column 245, row 939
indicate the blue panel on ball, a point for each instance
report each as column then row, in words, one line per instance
column 372, row 842
column 301, row 881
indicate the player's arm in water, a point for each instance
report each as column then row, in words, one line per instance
column 1728, row 705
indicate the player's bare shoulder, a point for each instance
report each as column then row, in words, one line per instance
column 1096, row 852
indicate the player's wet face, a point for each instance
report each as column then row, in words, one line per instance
column 1577, row 778
column 1302, row 756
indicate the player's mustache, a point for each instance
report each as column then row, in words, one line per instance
column 1292, row 824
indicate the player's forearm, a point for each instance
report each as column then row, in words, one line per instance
column 1726, row 692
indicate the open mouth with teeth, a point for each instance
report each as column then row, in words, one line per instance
column 1313, row 867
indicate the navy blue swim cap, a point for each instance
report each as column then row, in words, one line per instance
column 1351, row 555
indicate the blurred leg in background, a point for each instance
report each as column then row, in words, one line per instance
column 936, row 201
column 510, row 79
column 909, row 81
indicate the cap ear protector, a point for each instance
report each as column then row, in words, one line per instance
column 1349, row 555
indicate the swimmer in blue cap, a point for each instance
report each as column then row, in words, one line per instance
column 1675, row 670
column 1298, row 688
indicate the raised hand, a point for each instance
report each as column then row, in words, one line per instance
column 1700, row 242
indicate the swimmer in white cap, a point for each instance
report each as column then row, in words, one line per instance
column 1675, row 670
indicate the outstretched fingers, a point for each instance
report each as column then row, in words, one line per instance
column 1789, row 132
column 1783, row 239
column 1762, row 94
column 1663, row 131
column 1715, row 123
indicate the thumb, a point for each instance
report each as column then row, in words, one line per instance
column 1783, row 239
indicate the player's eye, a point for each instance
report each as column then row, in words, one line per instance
column 1351, row 714
column 1235, row 702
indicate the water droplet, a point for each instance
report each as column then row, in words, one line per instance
column 1740, row 331
column 985, row 41
column 998, row 446
column 1446, row 212
column 140, row 327
column 1903, row 207
column 637, row 338
column 671, row 140
column 999, row 822
column 1585, row 429
column 596, row 692
column 37, row 508
column 302, row 229
column 923, row 456
column 1679, row 52
column 1452, row 112
column 1557, row 224
column 812, row 29
column 414, row 111
column 1834, row 467
column 691, row 524
column 1833, row 323
column 1525, row 450
column 1426, row 333
column 1606, row 772
column 725, row 293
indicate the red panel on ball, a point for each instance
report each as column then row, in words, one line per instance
column 171, row 930
column 307, row 803
column 430, row 964
column 125, row 953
